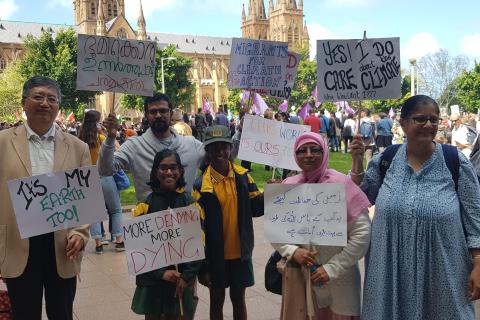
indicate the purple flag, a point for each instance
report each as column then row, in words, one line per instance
column 245, row 97
column 303, row 113
column 206, row 105
column 315, row 98
column 259, row 104
column 349, row 110
column 391, row 113
column 284, row 106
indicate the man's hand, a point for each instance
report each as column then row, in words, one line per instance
column 171, row 276
column 75, row 244
column 111, row 125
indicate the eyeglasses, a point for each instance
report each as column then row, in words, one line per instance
column 166, row 167
column 153, row 112
column 422, row 120
column 313, row 151
column 51, row 100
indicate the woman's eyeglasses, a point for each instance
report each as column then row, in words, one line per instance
column 313, row 151
column 422, row 120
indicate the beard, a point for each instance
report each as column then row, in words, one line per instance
column 159, row 126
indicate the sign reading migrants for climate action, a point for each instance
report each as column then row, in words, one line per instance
column 163, row 238
column 358, row 69
column 289, row 81
column 306, row 214
column 55, row 201
column 269, row 142
column 257, row 65
column 115, row 65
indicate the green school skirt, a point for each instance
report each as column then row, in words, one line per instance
column 158, row 301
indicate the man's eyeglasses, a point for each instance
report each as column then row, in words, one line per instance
column 153, row 112
column 422, row 120
column 51, row 100
column 166, row 167
column 313, row 151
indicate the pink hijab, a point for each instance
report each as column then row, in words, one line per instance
column 357, row 201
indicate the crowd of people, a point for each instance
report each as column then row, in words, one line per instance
column 422, row 248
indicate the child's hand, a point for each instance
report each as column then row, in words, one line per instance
column 181, row 285
column 171, row 276
column 271, row 181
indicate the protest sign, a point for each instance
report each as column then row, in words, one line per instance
column 358, row 69
column 115, row 65
column 269, row 142
column 306, row 214
column 289, row 81
column 455, row 109
column 163, row 238
column 55, row 201
column 257, row 64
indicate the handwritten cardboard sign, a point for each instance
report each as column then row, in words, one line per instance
column 162, row 239
column 289, row 81
column 115, row 65
column 306, row 214
column 257, row 64
column 55, row 201
column 358, row 69
column 269, row 142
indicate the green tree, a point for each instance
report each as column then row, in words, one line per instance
column 10, row 93
column 306, row 80
column 178, row 86
column 468, row 89
column 56, row 58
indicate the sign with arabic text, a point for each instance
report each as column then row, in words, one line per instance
column 306, row 214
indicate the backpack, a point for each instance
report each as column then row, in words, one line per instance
column 450, row 154
column 471, row 135
column 347, row 131
column 366, row 129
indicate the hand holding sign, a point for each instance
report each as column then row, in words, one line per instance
column 111, row 125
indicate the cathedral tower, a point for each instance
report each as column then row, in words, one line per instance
column 87, row 12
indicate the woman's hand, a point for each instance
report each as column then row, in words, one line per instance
column 357, row 148
column 474, row 282
column 320, row 276
column 304, row 257
column 171, row 276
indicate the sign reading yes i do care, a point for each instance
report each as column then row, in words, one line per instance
column 163, row 238
column 55, row 201
column 306, row 214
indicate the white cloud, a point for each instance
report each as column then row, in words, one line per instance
column 7, row 8
column 318, row 32
column 470, row 45
column 62, row 3
column 347, row 3
column 420, row 45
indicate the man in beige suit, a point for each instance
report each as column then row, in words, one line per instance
column 51, row 261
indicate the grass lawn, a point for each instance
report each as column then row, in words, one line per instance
column 338, row 161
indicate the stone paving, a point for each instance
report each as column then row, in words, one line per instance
column 105, row 290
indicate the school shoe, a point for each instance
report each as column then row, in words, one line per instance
column 99, row 249
column 120, row 246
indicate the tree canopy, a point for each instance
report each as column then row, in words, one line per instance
column 468, row 89
column 11, row 84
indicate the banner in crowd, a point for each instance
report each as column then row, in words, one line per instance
column 55, row 201
column 358, row 69
column 289, row 81
column 163, row 238
column 258, row 65
column 306, row 214
column 269, row 142
column 115, row 65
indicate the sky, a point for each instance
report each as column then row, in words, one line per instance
column 424, row 26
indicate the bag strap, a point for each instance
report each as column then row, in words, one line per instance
column 450, row 154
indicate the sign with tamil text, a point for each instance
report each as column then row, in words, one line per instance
column 358, row 69
column 306, row 214
column 55, row 201
column 257, row 64
column 115, row 65
column 163, row 238
column 269, row 142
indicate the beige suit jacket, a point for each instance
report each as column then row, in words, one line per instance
column 70, row 152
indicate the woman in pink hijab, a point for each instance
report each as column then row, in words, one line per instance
column 332, row 277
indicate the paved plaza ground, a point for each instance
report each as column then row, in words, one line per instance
column 105, row 290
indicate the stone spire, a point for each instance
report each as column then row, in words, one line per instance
column 142, row 27
column 300, row 4
column 261, row 10
column 271, row 8
column 243, row 13
column 101, row 29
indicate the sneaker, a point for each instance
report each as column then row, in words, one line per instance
column 120, row 246
column 99, row 249
column 104, row 241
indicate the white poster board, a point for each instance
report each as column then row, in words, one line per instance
column 289, row 81
column 306, row 214
column 257, row 64
column 269, row 142
column 358, row 69
column 115, row 65
column 55, row 201
column 455, row 109
column 163, row 238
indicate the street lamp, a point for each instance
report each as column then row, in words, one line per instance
column 163, row 75
column 413, row 63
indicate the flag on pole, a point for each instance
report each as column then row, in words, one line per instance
column 283, row 106
column 391, row 113
column 259, row 104
column 206, row 105
column 315, row 97
column 303, row 113
column 245, row 97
